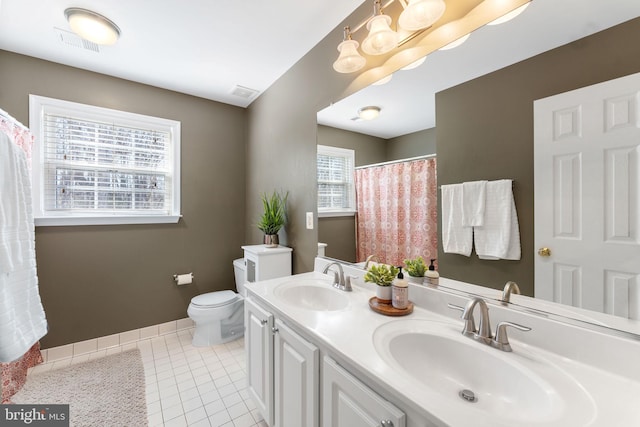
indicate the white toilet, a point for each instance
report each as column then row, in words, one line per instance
column 219, row 316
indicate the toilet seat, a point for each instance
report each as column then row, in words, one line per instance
column 214, row 299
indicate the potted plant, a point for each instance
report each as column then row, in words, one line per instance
column 416, row 269
column 382, row 275
column 273, row 217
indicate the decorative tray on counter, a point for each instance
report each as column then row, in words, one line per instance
column 388, row 309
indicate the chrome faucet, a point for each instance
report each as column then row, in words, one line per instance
column 339, row 280
column 483, row 333
column 510, row 288
column 369, row 259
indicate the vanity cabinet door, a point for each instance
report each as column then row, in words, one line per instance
column 297, row 371
column 259, row 352
column 347, row 402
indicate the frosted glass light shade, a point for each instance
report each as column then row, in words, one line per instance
column 381, row 38
column 349, row 59
column 369, row 113
column 414, row 64
column 421, row 14
column 92, row 26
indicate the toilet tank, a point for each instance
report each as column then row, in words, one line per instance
column 238, row 270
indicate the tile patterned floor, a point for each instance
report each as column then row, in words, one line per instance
column 189, row 386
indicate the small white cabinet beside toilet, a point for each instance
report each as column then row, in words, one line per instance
column 264, row 263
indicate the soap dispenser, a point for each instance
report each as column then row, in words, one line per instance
column 432, row 277
column 400, row 292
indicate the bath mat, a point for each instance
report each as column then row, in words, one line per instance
column 105, row 392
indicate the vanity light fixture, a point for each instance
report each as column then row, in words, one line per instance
column 420, row 14
column 369, row 113
column 381, row 38
column 349, row 59
column 92, row 26
column 416, row 20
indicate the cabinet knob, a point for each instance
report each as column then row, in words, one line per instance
column 263, row 322
column 274, row 330
column 386, row 423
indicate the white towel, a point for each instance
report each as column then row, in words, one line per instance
column 473, row 202
column 22, row 319
column 499, row 237
column 456, row 238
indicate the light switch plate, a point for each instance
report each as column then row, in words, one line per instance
column 309, row 220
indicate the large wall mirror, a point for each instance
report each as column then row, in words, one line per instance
column 407, row 127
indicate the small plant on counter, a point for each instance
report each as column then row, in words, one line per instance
column 381, row 274
column 415, row 267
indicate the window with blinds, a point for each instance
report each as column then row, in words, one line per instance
column 100, row 166
column 336, row 189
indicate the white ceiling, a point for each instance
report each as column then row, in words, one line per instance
column 205, row 48
column 408, row 101
column 199, row 47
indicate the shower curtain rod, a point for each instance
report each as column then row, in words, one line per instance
column 410, row 159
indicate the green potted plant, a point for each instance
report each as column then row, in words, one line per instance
column 382, row 275
column 416, row 268
column 273, row 217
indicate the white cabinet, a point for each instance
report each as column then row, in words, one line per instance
column 263, row 263
column 258, row 338
column 347, row 402
column 283, row 370
column 297, row 372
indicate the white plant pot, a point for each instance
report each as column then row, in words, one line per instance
column 383, row 293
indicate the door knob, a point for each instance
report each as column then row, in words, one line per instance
column 544, row 252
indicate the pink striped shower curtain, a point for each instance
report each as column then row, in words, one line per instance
column 397, row 211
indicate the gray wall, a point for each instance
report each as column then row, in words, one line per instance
column 100, row 280
column 412, row 145
column 485, row 131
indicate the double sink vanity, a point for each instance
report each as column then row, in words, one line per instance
column 319, row 356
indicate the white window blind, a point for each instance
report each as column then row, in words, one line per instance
column 336, row 190
column 99, row 166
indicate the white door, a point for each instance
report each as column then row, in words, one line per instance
column 259, row 352
column 347, row 402
column 587, row 197
column 297, row 373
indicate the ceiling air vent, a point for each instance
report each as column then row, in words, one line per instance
column 71, row 39
column 244, row 92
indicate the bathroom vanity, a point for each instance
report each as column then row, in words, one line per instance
column 319, row 356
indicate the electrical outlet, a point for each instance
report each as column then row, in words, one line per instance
column 309, row 220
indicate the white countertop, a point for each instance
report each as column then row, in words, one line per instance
column 348, row 334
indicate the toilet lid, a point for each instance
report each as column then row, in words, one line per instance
column 214, row 299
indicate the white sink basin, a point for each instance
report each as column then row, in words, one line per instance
column 312, row 294
column 516, row 388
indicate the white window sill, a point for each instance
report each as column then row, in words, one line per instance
column 105, row 220
column 330, row 214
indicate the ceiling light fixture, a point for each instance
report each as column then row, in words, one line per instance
column 92, row 26
column 383, row 80
column 369, row 113
column 414, row 64
column 419, row 32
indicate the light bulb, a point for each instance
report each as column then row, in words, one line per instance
column 381, row 38
column 421, row 14
column 349, row 59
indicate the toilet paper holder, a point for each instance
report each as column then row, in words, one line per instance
column 183, row 278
